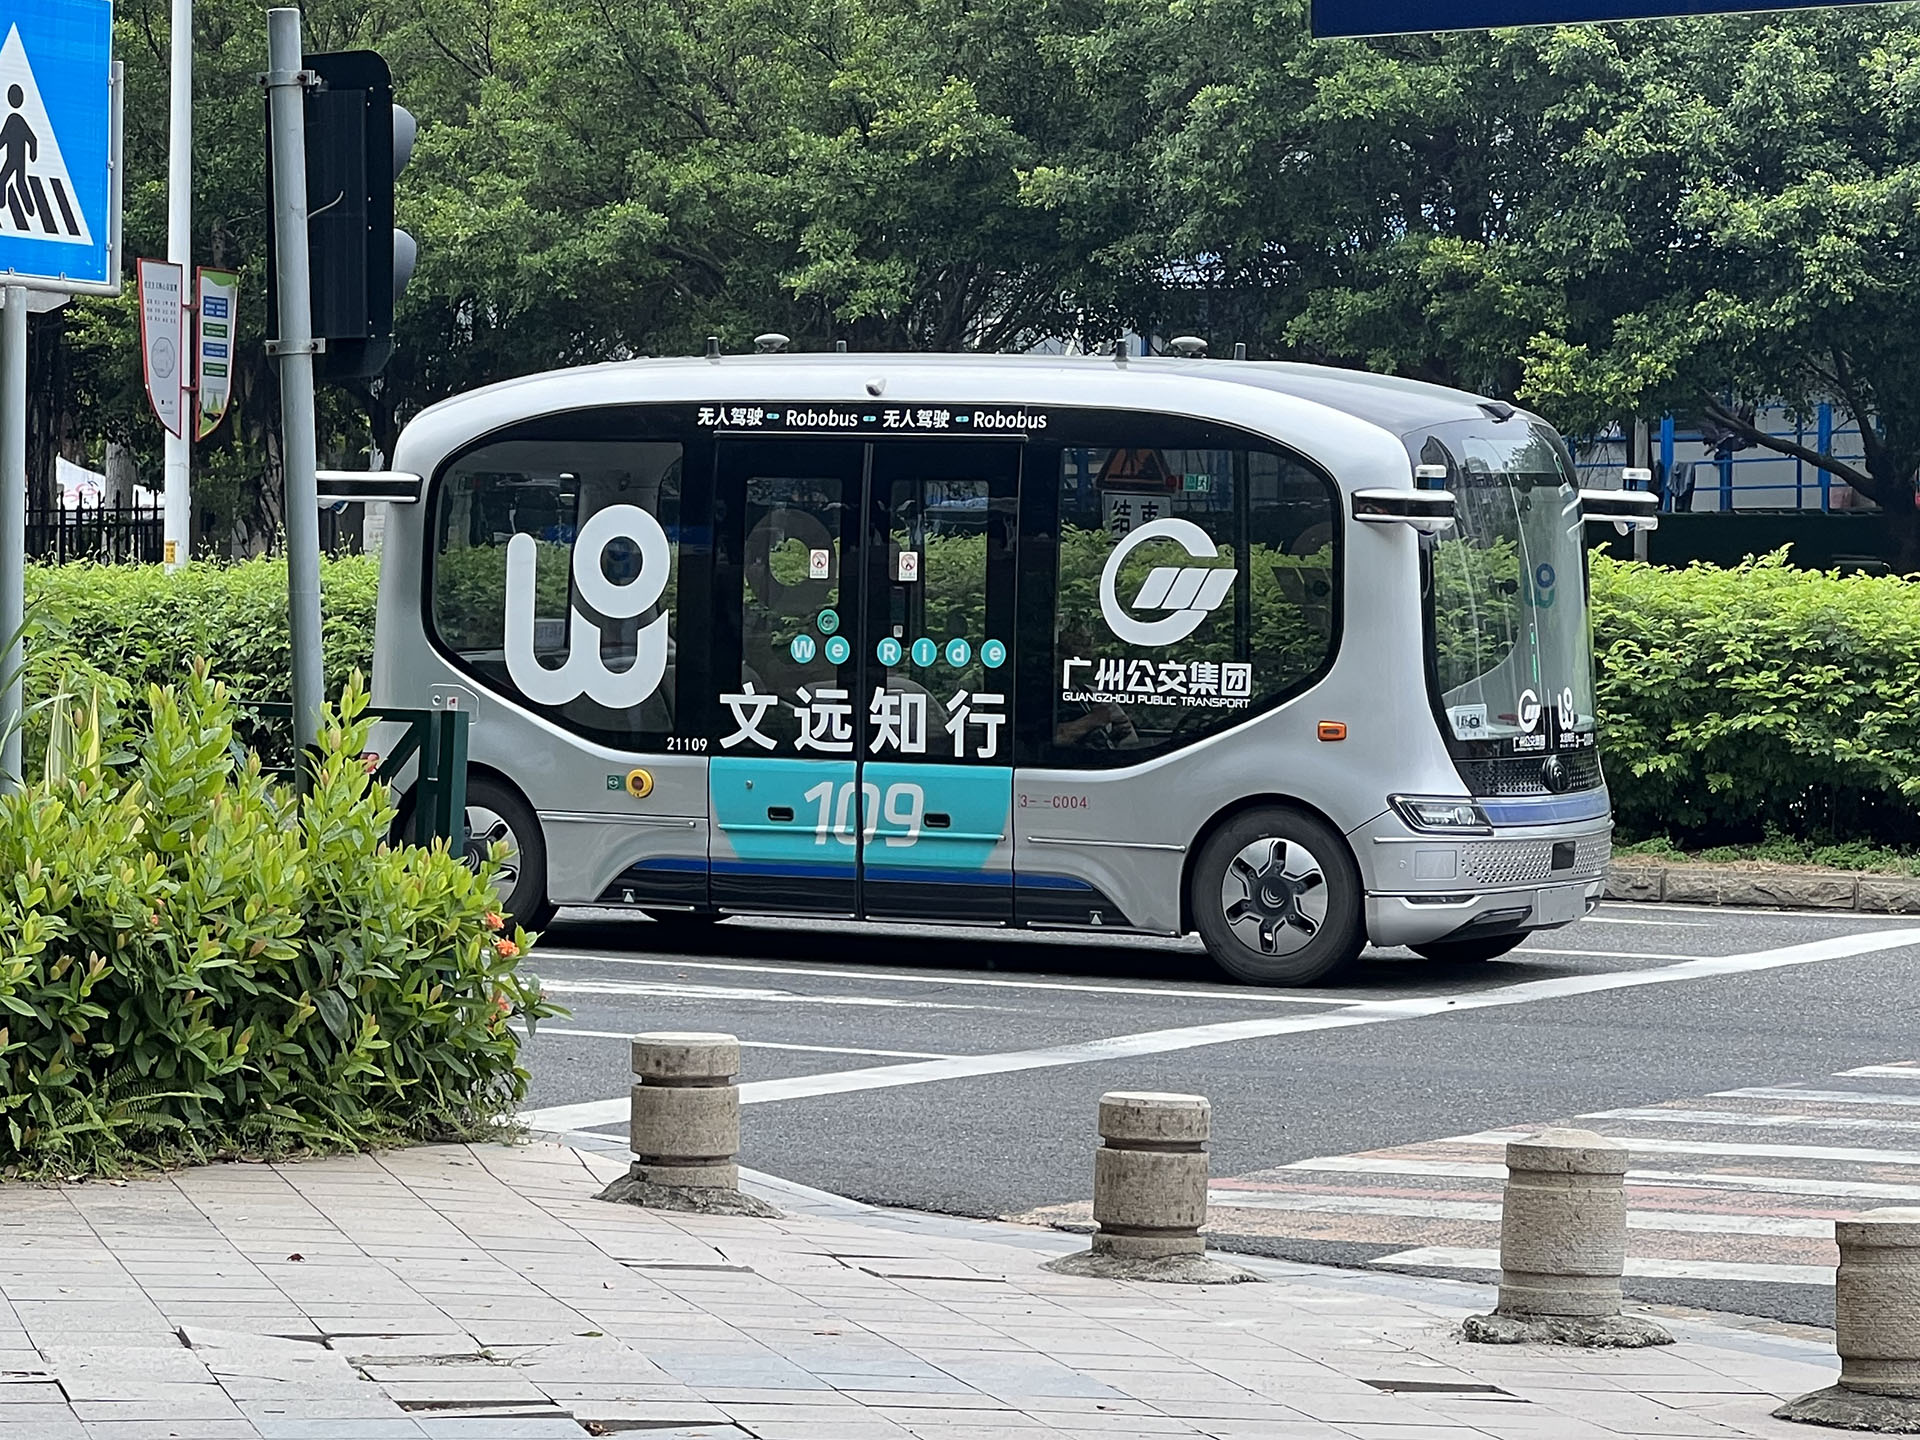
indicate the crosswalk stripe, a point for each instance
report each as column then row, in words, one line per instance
column 1448, row 1257
column 1792, row 1120
column 1703, row 1180
column 1815, row 1097
column 1489, row 1211
column 1647, row 1145
column 1886, row 1072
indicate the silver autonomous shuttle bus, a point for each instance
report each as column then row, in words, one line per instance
column 1294, row 657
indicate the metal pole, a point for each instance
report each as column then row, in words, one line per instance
column 13, row 529
column 287, row 119
column 179, row 448
column 1641, row 445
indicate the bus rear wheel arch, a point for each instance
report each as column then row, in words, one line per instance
column 1277, row 898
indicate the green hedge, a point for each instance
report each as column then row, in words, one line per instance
column 116, row 630
column 191, row 964
column 1736, row 702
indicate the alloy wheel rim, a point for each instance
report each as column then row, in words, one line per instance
column 484, row 828
column 1274, row 896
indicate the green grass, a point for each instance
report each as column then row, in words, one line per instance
column 1780, row 850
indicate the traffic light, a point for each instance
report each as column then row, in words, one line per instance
column 357, row 142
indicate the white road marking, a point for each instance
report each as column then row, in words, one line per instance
column 1236, row 993
column 1612, row 954
column 1886, row 1072
column 1663, row 924
column 1821, row 1097
column 1749, row 1119
column 1658, row 1179
column 1447, row 1257
column 760, row 1045
column 1489, row 1211
column 1157, row 1042
column 1645, row 1145
column 1768, row 913
column 667, row 990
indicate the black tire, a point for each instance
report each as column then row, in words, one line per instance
column 496, row 812
column 1300, row 917
column 1471, row 951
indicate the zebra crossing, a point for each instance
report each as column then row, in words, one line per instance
column 1739, row 1187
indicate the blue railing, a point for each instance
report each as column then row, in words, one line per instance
column 1751, row 479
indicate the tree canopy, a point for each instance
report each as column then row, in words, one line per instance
column 1602, row 221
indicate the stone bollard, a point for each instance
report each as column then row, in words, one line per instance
column 1150, row 1193
column 684, row 1127
column 1563, row 1247
column 1876, row 1311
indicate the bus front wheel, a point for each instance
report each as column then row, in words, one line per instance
column 1277, row 899
column 497, row 815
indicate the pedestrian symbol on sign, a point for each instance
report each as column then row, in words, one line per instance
column 36, row 192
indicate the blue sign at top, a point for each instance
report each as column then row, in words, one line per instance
column 1413, row 17
column 57, row 143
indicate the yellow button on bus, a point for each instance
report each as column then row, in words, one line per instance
column 639, row 784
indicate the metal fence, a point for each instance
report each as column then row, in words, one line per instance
column 125, row 534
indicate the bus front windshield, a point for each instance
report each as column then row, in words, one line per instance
column 1513, row 653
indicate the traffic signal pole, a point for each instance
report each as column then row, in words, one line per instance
column 178, row 468
column 13, row 531
column 286, row 95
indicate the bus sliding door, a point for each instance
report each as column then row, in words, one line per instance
column 937, row 772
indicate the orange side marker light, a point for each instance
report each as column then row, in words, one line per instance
column 1333, row 729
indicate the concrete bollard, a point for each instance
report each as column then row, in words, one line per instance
column 1150, row 1192
column 1563, row 1246
column 685, row 1117
column 684, row 1126
column 1876, row 1311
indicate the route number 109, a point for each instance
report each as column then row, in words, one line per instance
column 904, row 805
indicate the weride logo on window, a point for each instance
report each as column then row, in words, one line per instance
column 585, row 671
column 1190, row 592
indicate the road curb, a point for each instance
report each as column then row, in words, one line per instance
column 1782, row 889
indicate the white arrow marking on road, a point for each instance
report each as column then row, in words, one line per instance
column 1155, row 1042
column 1447, row 1257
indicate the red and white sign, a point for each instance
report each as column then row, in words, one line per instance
column 163, row 348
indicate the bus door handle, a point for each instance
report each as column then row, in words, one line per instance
column 779, row 812
column 938, row 820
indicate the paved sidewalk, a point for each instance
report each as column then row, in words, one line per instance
column 475, row 1292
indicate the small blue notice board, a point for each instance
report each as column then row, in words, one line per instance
column 1412, row 17
column 57, row 146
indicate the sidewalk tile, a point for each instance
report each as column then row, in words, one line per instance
column 171, row 1430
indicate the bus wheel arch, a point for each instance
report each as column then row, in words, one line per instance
column 498, row 810
column 1274, row 890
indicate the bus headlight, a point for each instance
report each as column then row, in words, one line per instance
column 1441, row 814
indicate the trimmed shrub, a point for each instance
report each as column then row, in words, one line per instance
column 1759, row 700
column 192, row 963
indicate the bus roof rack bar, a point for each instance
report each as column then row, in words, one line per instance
column 356, row 487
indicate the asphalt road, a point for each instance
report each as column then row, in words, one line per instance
column 958, row 1070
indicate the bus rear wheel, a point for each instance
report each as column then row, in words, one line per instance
column 1468, row 952
column 497, row 815
column 1277, row 899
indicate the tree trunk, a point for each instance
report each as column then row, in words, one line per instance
column 123, row 474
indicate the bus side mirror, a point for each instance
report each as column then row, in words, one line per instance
column 1627, row 509
column 1428, row 511
column 357, row 487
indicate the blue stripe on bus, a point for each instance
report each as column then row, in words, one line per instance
column 684, row 864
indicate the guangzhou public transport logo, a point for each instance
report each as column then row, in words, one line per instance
column 1189, row 592
column 585, row 671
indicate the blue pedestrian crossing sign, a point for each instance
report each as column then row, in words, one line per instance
column 59, row 146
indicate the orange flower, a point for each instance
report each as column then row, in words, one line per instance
column 495, row 920
column 506, row 948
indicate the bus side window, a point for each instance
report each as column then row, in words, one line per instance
column 1195, row 586
column 535, row 499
